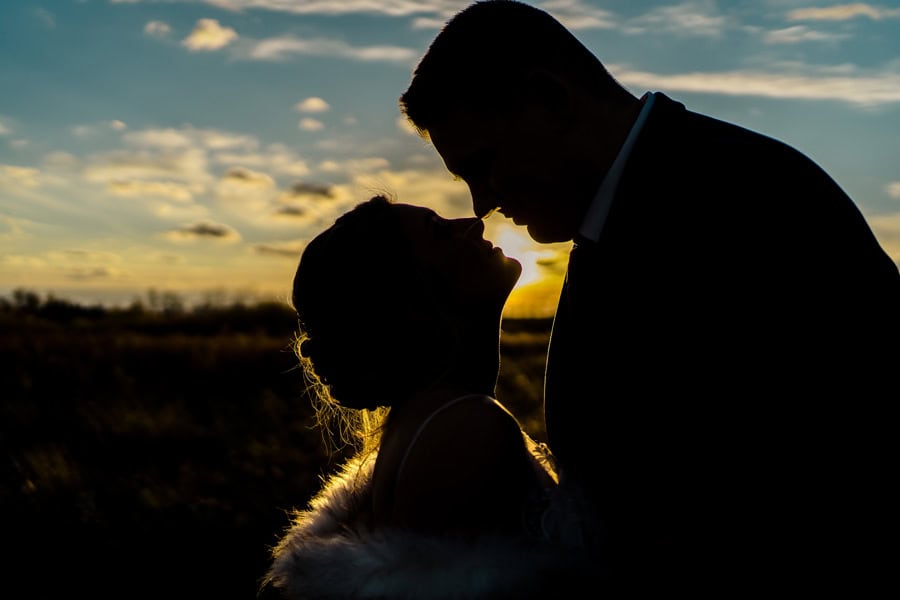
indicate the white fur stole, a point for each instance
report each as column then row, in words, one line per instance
column 328, row 553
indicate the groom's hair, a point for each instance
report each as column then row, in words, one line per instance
column 485, row 54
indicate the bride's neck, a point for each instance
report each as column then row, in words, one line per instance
column 475, row 364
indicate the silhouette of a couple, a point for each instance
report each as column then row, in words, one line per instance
column 721, row 375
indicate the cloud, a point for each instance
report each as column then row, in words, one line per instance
column 800, row 82
column 428, row 22
column 289, row 249
column 239, row 176
column 404, row 125
column 313, row 104
column 842, row 12
column 187, row 165
column 246, row 195
column 437, row 190
column 60, row 160
column 203, row 230
column 893, row 189
column 208, row 35
column 280, row 48
column 690, row 19
column 166, row 189
column 172, row 139
column 92, row 273
column 90, row 130
column 300, row 188
column 12, row 227
column 157, row 28
column 46, row 17
column 305, row 204
column 159, row 138
column 887, row 230
column 179, row 211
column 13, row 176
column 83, row 131
column 4, row 130
column 275, row 158
column 221, row 140
column 308, row 124
column 167, row 163
column 798, row 34
column 394, row 8
column 577, row 15
column 355, row 166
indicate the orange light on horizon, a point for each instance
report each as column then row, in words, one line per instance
column 543, row 266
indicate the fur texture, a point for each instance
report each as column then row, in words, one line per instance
column 329, row 553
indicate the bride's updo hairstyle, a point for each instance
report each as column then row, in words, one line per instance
column 370, row 330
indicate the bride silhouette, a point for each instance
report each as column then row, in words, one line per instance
column 448, row 497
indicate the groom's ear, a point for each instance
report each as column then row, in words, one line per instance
column 551, row 94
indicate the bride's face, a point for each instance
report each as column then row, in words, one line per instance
column 455, row 252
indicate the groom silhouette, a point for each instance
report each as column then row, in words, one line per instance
column 723, row 364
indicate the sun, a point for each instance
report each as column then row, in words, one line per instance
column 516, row 244
column 543, row 268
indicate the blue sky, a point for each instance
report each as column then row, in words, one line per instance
column 194, row 146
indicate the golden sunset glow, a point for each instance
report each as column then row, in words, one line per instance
column 516, row 244
column 543, row 269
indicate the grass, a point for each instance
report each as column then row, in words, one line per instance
column 148, row 455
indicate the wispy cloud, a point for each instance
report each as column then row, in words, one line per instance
column 690, row 19
column 281, row 48
column 178, row 165
column 395, row 8
column 242, row 177
column 208, row 35
column 578, row 15
column 893, row 189
column 46, row 17
column 14, row 176
column 92, row 273
column 308, row 124
column 157, row 28
column 186, row 137
column 133, row 188
column 286, row 249
column 275, row 158
column 843, row 12
column 797, row 34
column 12, row 227
column 850, row 86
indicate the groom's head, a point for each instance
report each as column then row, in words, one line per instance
column 511, row 100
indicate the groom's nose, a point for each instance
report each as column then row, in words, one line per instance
column 484, row 202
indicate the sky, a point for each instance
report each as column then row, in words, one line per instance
column 194, row 146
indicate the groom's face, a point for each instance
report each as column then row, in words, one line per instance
column 517, row 162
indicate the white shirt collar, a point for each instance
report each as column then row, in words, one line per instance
column 599, row 208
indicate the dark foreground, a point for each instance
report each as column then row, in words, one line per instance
column 156, row 455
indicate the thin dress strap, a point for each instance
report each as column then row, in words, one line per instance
column 422, row 427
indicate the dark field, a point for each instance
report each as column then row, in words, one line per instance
column 155, row 454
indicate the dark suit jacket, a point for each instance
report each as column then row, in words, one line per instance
column 724, row 368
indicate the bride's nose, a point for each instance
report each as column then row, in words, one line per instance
column 470, row 227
